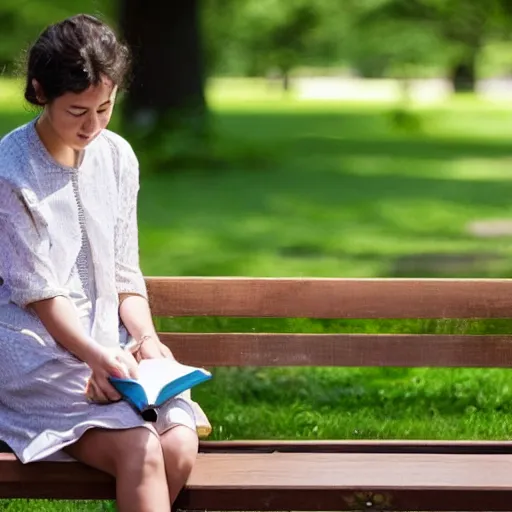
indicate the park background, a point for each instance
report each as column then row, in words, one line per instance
column 314, row 138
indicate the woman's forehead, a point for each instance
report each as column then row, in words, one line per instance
column 98, row 94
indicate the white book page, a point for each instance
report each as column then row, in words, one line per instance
column 154, row 374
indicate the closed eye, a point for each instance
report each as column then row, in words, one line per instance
column 80, row 114
column 77, row 114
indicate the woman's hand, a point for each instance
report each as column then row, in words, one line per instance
column 106, row 363
column 151, row 347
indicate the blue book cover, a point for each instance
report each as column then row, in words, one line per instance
column 159, row 380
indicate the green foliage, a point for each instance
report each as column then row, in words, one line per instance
column 374, row 38
column 255, row 37
column 495, row 59
column 21, row 22
column 443, row 33
column 398, row 48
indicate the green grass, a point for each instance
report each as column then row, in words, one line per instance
column 334, row 189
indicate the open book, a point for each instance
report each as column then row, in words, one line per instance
column 159, row 380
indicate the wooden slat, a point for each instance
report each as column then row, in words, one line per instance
column 254, row 349
column 298, row 481
column 56, row 480
column 331, row 481
column 331, row 298
column 358, row 446
column 347, row 499
column 347, row 446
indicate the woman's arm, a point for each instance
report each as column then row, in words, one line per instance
column 134, row 309
column 136, row 316
column 61, row 321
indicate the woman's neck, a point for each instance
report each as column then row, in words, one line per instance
column 62, row 153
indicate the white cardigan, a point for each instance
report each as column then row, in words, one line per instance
column 43, row 205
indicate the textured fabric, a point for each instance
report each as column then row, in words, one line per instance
column 69, row 232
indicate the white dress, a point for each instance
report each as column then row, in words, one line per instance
column 70, row 232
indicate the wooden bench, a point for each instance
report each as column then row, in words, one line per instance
column 314, row 475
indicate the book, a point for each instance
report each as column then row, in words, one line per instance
column 159, row 380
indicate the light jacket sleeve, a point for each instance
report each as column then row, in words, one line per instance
column 25, row 266
column 129, row 277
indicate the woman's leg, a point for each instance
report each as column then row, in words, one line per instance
column 135, row 458
column 179, row 445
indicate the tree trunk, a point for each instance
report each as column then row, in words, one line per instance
column 286, row 80
column 167, row 87
column 463, row 75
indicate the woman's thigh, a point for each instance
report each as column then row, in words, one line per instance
column 107, row 450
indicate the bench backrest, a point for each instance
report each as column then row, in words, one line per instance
column 340, row 299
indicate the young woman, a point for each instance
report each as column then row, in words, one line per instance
column 73, row 302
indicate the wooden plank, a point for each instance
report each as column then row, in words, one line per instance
column 331, row 298
column 56, row 480
column 297, row 481
column 334, row 499
column 349, row 470
column 347, row 446
column 348, row 481
column 358, row 446
column 412, row 350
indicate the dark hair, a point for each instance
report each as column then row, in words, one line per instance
column 72, row 55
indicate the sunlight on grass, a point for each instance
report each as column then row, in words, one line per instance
column 354, row 403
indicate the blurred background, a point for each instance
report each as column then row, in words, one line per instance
column 323, row 138
column 352, row 138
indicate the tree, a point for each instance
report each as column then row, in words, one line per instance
column 168, row 67
column 255, row 37
column 20, row 24
column 463, row 27
column 220, row 40
column 166, row 94
column 284, row 36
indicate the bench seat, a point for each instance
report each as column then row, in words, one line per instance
column 383, row 475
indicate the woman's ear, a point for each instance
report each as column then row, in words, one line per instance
column 39, row 92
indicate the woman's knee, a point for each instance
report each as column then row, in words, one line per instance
column 115, row 450
column 138, row 447
column 180, row 447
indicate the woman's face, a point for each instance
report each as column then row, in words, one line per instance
column 78, row 118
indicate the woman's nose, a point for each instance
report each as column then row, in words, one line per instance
column 91, row 124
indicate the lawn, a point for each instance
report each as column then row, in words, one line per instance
column 334, row 189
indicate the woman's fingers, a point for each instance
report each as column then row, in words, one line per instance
column 129, row 362
column 95, row 394
column 101, row 391
column 108, row 390
column 89, row 390
column 166, row 351
column 114, row 363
